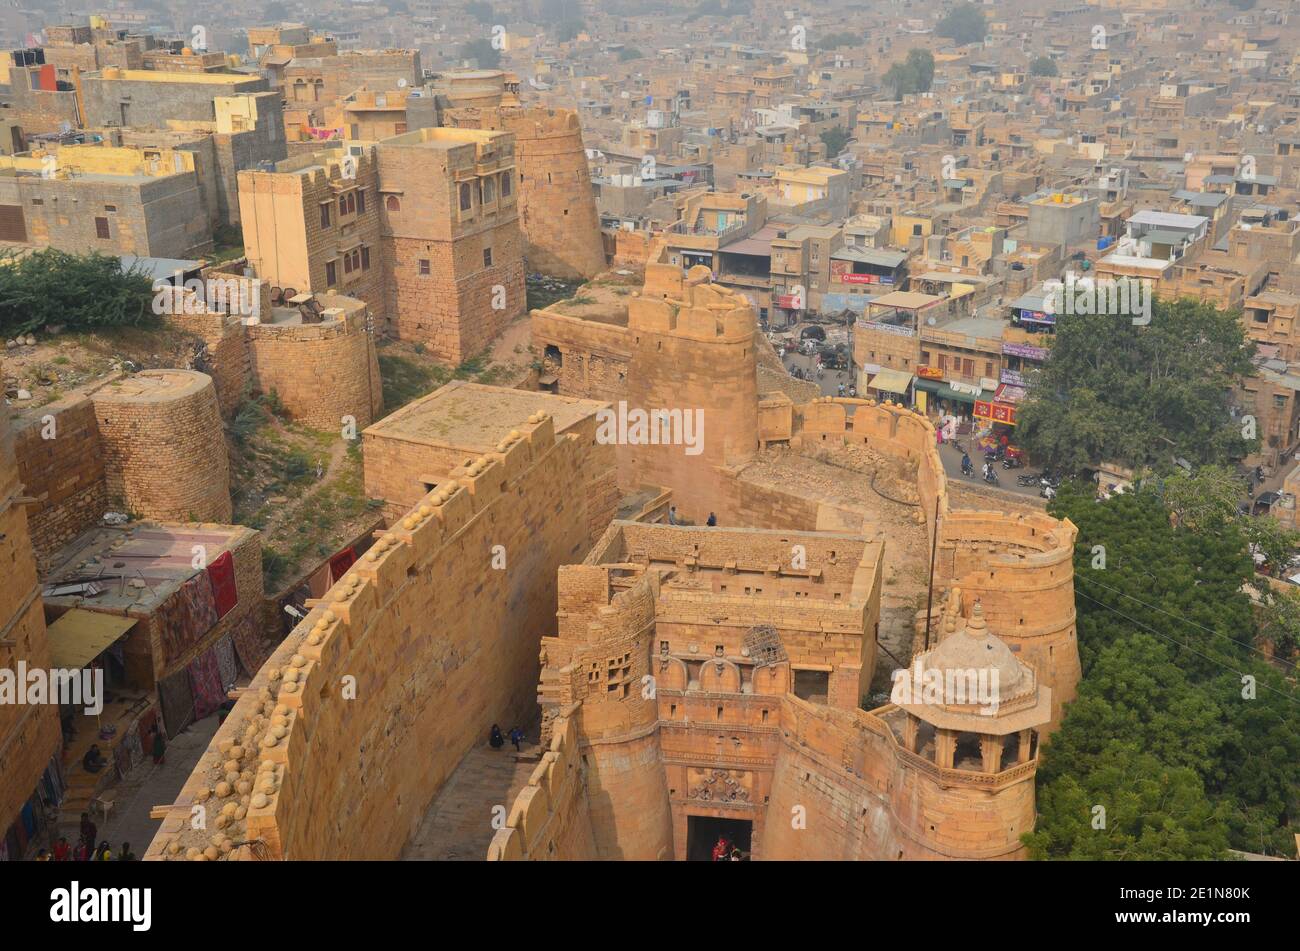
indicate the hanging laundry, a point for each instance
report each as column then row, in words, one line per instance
column 249, row 644
column 177, row 700
column 205, row 682
column 341, row 562
column 221, row 573
column 186, row 616
column 226, row 662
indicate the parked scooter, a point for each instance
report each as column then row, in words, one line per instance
column 1028, row 480
column 1012, row 462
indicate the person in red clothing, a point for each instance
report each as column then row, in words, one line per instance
column 722, row 851
column 62, row 851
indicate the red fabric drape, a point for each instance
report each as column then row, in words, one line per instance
column 222, row 575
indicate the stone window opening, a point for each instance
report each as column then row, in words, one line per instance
column 553, row 354
column 505, row 184
column 466, row 197
column 424, row 266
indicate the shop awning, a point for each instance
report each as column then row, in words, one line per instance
column 891, row 381
column 78, row 637
column 945, row 392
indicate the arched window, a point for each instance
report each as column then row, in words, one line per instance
column 393, row 203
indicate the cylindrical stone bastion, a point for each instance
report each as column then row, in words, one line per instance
column 164, row 450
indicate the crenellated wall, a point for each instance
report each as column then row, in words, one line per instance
column 844, row 788
column 322, row 372
column 550, row 818
column 1021, row 570
column 347, row 733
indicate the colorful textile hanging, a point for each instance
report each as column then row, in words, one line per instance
column 222, row 575
column 205, row 682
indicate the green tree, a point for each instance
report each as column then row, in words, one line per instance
column 1043, row 66
column 629, row 53
column 835, row 41
column 1273, row 540
column 1139, row 395
column 835, row 140
column 965, row 24
column 914, row 75
column 1207, row 499
column 482, row 52
column 1174, row 689
column 1280, row 621
column 1151, row 812
column 77, row 291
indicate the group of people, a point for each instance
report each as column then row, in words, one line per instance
column 724, row 851
column 711, row 521
column 497, row 739
column 86, row 850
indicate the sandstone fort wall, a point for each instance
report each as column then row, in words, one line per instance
column 333, row 777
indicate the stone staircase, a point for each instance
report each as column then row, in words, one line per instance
column 459, row 823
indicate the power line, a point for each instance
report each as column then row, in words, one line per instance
column 1202, row 627
column 1152, row 630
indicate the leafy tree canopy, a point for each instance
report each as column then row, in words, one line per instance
column 1139, row 395
column 835, row 140
column 914, row 75
column 1181, row 731
column 77, row 291
column 1043, row 66
column 965, row 24
column 482, row 52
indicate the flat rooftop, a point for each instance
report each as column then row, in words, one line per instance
column 473, row 417
column 600, row 303
column 137, row 566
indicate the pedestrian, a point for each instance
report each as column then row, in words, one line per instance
column 88, row 830
column 712, row 521
column 722, row 850
column 516, row 737
column 62, row 850
column 496, row 740
column 158, row 746
column 94, row 760
column 126, row 855
column 672, row 515
column 82, row 852
column 103, row 853
column 42, row 855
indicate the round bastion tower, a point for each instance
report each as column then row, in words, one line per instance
column 557, row 207
column 164, row 452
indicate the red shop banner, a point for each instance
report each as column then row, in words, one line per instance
column 997, row 412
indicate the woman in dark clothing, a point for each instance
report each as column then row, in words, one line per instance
column 497, row 739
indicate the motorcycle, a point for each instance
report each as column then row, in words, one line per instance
column 1047, row 492
column 967, row 469
column 1012, row 462
column 1028, row 480
column 991, row 476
